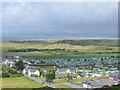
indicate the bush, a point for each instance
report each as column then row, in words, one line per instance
column 12, row 71
column 34, row 75
column 16, row 75
column 5, row 74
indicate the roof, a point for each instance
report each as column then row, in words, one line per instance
column 72, row 69
column 65, row 69
column 12, row 63
column 26, row 69
column 26, row 65
column 98, row 83
column 33, row 70
column 117, row 75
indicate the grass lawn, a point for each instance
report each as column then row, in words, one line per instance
column 19, row 82
column 79, row 79
column 64, row 87
column 60, row 81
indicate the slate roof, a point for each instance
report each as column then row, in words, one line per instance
column 98, row 83
column 72, row 69
column 65, row 69
column 33, row 70
column 26, row 65
column 117, row 75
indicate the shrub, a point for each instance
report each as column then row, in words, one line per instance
column 12, row 71
column 5, row 74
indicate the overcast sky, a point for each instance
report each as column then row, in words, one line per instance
column 61, row 19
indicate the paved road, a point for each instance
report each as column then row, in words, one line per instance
column 40, row 81
column 52, row 85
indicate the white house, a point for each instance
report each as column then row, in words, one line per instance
column 66, row 70
column 6, row 61
column 97, row 75
column 16, row 57
column 30, row 72
column 12, row 64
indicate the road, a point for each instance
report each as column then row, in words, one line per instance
column 40, row 81
column 52, row 85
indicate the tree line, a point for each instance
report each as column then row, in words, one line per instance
column 32, row 50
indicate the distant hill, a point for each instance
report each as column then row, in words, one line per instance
column 91, row 42
column 82, row 42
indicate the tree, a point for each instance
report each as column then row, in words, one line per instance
column 19, row 65
column 50, row 76
column 42, row 61
column 5, row 74
column 41, row 72
column 5, row 67
column 12, row 71
column 69, row 77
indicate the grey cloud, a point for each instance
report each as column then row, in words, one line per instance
column 60, row 18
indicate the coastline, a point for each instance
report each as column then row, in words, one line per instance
column 97, row 38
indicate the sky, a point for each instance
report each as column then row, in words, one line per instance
column 60, row 20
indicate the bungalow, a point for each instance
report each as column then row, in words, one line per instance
column 30, row 72
column 97, row 75
column 66, row 70
column 26, row 66
column 94, row 84
column 114, row 77
column 16, row 57
column 6, row 61
column 12, row 64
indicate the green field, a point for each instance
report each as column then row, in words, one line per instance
column 66, row 48
column 77, row 80
column 40, row 56
column 64, row 87
column 19, row 82
column 70, row 47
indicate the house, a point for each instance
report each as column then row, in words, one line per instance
column 26, row 66
column 12, row 64
column 97, row 75
column 66, row 71
column 114, row 77
column 94, row 83
column 30, row 72
column 6, row 61
column 16, row 57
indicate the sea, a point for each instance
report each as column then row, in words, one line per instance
column 30, row 37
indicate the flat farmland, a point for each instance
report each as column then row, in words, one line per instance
column 50, row 56
column 65, row 48
column 19, row 82
column 70, row 48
